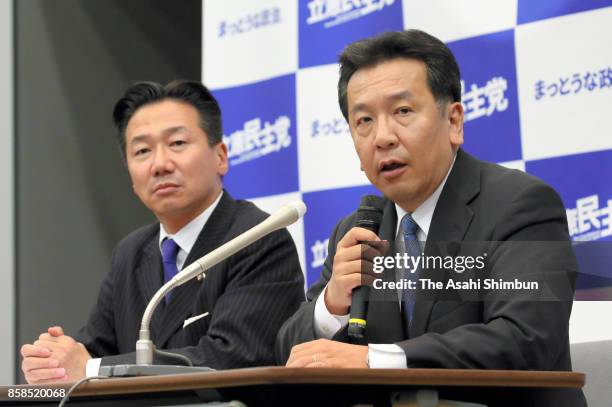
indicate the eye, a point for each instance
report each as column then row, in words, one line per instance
column 141, row 151
column 178, row 143
column 403, row 110
column 363, row 120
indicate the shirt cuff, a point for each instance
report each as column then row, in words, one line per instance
column 386, row 356
column 93, row 367
column 326, row 324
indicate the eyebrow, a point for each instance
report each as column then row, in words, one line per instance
column 402, row 95
column 165, row 132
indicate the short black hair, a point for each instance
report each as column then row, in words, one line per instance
column 443, row 77
column 192, row 92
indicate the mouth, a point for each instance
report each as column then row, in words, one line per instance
column 390, row 169
column 165, row 188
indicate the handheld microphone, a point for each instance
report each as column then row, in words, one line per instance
column 145, row 348
column 369, row 216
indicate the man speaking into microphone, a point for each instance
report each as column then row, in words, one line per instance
column 400, row 93
column 171, row 139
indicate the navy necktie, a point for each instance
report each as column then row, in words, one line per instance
column 169, row 251
column 412, row 248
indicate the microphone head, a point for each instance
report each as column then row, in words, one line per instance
column 370, row 212
column 299, row 207
column 287, row 215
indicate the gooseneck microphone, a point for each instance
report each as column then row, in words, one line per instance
column 145, row 348
column 369, row 216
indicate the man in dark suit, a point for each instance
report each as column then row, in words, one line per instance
column 171, row 138
column 400, row 93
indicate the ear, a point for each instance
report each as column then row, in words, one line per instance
column 222, row 161
column 455, row 121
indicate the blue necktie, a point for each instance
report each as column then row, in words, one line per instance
column 169, row 251
column 412, row 247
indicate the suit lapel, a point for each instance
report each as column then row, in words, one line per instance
column 149, row 276
column 182, row 301
column 451, row 219
column 389, row 222
column 384, row 317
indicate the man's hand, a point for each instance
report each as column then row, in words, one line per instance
column 54, row 357
column 347, row 268
column 326, row 353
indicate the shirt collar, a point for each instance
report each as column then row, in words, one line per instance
column 424, row 213
column 185, row 238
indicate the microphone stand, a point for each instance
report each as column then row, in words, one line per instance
column 145, row 348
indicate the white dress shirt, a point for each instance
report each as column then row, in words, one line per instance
column 326, row 325
column 185, row 239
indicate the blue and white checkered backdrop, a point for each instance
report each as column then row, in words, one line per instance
column 537, row 90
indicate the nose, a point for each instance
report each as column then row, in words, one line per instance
column 386, row 136
column 162, row 162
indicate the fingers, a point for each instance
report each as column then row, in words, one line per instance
column 357, row 235
column 357, row 252
column 29, row 350
column 38, row 366
column 308, row 349
column 50, row 381
column 31, row 363
column 326, row 353
column 382, row 246
column 318, row 363
column 347, row 269
column 38, row 375
column 55, row 331
column 50, row 345
column 48, row 337
column 352, row 265
column 55, row 342
column 299, row 351
column 302, row 349
column 40, row 369
column 301, row 361
column 54, row 334
column 355, row 256
column 348, row 275
column 309, row 360
column 376, row 249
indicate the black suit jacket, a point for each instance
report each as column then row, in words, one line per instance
column 248, row 296
column 480, row 202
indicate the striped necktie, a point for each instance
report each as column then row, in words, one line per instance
column 169, row 252
column 412, row 248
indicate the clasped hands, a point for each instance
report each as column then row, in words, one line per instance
column 54, row 357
